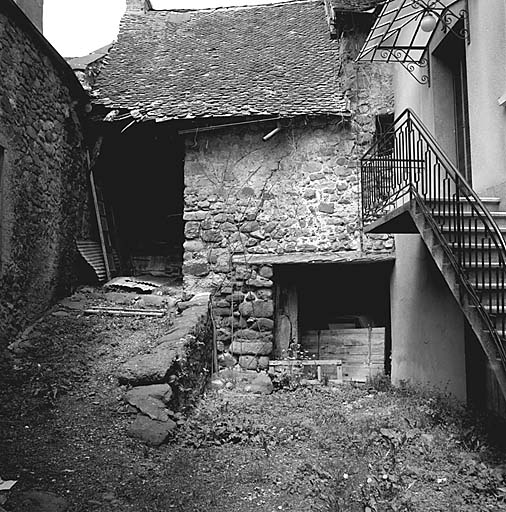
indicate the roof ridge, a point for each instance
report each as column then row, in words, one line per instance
column 236, row 7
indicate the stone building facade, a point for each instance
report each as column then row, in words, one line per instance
column 42, row 171
column 272, row 127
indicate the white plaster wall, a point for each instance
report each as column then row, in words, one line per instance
column 486, row 83
column 427, row 324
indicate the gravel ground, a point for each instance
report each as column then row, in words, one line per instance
column 63, row 424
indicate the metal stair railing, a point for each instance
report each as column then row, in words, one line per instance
column 407, row 165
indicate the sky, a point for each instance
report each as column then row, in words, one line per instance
column 78, row 27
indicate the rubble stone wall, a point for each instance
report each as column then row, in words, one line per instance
column 43, row 179
column 298, row 192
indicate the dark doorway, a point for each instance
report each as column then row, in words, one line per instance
column 335, row 311
column 141, row 174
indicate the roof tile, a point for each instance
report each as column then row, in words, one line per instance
column 268, row 59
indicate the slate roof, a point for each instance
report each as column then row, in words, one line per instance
column 355, row 5
column 275, row 59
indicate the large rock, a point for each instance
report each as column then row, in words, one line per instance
column 151, row 368
column 257, row 348
column 151, row 432
column 246, row 309
column 259, row 282
column 261, row 385
column 151, row 400
column 155, row 366
column 37, row 501
column 263, row 324
column 263, row 308
column 248, row 362
column 249, row 335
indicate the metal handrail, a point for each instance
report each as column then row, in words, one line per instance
column 408, row 164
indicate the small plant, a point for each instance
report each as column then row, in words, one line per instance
column 379, row 382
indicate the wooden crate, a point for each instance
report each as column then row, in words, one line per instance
column 362, row 351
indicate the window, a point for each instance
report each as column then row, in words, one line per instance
column 384, row 136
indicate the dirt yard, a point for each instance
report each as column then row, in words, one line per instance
column 63, row 430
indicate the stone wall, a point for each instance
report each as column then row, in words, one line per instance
column 296, row 193
column 43, row 177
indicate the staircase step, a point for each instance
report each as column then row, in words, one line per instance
column 475, row 254
column 492, row 203
column 479, row 266
column 495, row 310
column 501, row 333
column 469, row 222
column 488, row 286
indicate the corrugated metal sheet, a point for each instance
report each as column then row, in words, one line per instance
column 92, row 253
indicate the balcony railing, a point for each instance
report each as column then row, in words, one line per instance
column 407, row 165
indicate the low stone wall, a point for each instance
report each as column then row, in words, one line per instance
column 181, row 359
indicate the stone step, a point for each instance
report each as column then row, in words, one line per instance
column 491, row 203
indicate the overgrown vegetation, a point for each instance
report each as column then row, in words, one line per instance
column 304, row 448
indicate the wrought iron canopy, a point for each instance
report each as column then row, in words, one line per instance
column 404, row 28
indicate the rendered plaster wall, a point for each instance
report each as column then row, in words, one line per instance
column 427, row 325
column 43, row 180
column 486, row 79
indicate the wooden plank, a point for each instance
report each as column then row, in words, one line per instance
column 124, row 312
column 304, row 362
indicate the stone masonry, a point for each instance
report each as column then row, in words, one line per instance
column 297, row 193
column 42, row 174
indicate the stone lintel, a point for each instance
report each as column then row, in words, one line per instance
column 315, row 258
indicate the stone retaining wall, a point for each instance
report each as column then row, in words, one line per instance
column 182, row 358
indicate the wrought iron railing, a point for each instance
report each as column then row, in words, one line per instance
column 407, row 165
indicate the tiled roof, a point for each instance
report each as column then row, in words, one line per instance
column 355, row 5
column 261, row 60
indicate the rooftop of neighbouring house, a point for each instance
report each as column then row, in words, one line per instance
column 273, row 59
column 355, row 5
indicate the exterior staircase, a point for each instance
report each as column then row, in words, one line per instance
column 414, row 188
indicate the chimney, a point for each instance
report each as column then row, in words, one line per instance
column 33, row 10
column 135, row 5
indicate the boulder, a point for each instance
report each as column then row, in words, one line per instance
column 150, row 368
column 263, row 362
column 37, row 501
column 151, row 432
column 259, row 282
column 155, row 366
column 248, row 334
column 266, row 272
column 263, row 308
column 261, row 385
column 257, row 348
column 246, row 309
column 151, row 400
column 226, row 360
column 248, row 362
column 263, row 324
